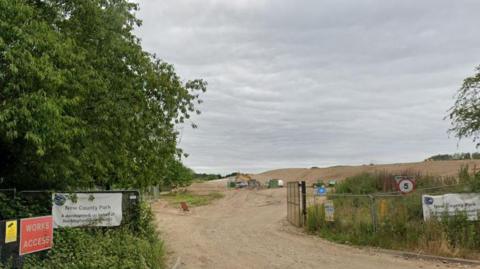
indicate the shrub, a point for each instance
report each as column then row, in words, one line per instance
column 97, row 248
column 359, row 184
column 134, row 246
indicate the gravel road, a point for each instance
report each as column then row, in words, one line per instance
column 247, row 229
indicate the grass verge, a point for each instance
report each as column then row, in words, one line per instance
column 193, row 199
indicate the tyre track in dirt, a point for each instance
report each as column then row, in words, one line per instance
column 248, row 229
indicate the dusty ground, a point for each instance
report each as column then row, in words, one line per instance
column 247, row 229
column 436, row 168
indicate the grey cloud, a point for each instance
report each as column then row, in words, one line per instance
column 312, row 83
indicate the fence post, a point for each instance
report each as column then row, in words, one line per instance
column 304, row 202
column 373, row 212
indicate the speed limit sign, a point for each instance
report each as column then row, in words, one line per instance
column 406, row 185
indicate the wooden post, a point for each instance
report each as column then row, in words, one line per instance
column 304, row 202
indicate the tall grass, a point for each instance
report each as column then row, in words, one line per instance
column 399, row 219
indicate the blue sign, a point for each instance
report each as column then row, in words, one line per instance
column 428, row 200
column 321, row 191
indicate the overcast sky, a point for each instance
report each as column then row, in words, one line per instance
column 316, row 83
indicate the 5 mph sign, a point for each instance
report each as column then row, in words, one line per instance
column 405, row 184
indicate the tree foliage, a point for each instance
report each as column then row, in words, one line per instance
column 465, row 114
column 205, row 176
column 81, row 104
column 178, row 175
column 456, row 156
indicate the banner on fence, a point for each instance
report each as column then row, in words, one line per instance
column 87, row 209
column 451, row 204
column 329, row 210
column 36, row 234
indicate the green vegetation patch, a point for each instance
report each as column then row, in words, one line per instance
column 455, row 157
column 398, row 222
column 94, row 109
column 193, row 199
column 206, row 177
column 135, row 245
column 452, row 236
column 114, row 248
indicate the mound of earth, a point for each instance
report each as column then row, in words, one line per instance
column 435, row 168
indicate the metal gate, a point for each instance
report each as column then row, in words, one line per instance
column 296, row 203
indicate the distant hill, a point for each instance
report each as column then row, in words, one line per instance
column 456, row 156
column 437, row 168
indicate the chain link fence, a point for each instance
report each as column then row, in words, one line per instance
column 151, row 193
column 394, row 220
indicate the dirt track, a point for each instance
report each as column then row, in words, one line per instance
column 247, row 229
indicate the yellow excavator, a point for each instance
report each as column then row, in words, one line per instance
column 241, row 180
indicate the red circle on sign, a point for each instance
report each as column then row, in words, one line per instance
column 406, row 186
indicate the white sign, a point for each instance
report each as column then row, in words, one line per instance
column 86, row 209
column 451, row 204
column 329, row 210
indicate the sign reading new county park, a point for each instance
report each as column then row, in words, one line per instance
column 451, row 204
column 87, row 209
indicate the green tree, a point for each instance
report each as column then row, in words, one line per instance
column 465, row 114
column 178, row 175
column 81, row 104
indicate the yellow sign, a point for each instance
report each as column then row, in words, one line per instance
column 383, row 209
column 10, row 231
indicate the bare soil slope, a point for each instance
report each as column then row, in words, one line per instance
column 439, row 168
column 247, row 229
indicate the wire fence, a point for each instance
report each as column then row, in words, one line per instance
column 379, row 209
column 150, row 193
column 394, row 220
column 8, row 193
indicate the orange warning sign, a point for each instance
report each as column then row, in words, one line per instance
column 36, row 234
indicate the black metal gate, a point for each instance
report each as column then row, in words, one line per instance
column 296, row 203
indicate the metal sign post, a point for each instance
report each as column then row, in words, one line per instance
column 9, row 244
column 373, row 212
